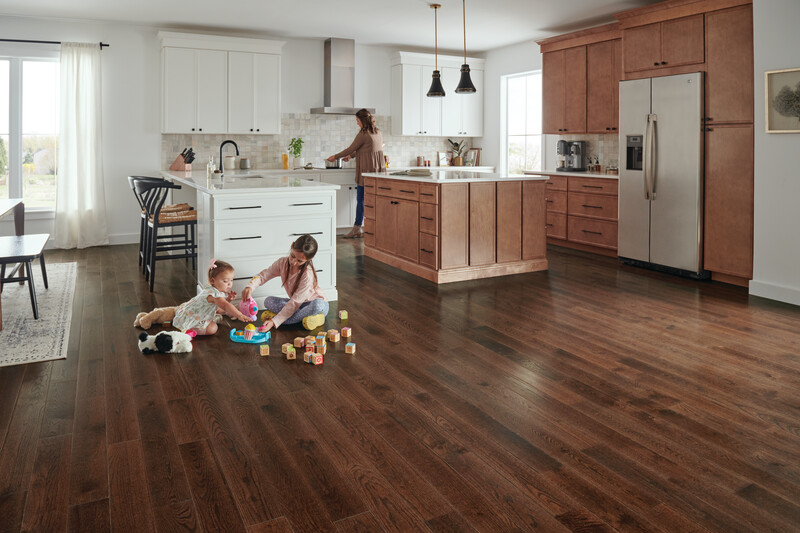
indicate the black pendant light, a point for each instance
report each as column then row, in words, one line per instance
column 436, row 89
column 465, row 84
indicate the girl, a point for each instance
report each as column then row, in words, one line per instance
column 196, row 317
column 306, row 303
column 367, row 148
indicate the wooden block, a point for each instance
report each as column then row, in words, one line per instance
column 308, row 348
column 333, row 335
column 322, row 348
column 299, row 342
column 346, row 332
column 310, row 338
column 308, row 357
column 285, row 347
column 350, row 347
column 321, row 338
column 317, row 359
column 264, row 350
column 291, row 354
column 343, row 315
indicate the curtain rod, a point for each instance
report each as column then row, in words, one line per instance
column 102, row 44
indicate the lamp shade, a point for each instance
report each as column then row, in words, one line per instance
column 465, row 83
column 436, row 85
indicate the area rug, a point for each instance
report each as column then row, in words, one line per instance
column 27, row 340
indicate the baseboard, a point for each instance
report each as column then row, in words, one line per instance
column 123, row 238
column 773, row 291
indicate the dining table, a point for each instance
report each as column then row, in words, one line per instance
column 17, row 207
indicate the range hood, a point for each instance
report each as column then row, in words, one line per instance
column 340, row 67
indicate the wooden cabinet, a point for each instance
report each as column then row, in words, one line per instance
column 729, row 69
column 728, row 243
column 454, row 226
column 666, row 44
column 603, row 74
column 194, row 91
column 482, row 224
column 413, row 113
column 397, row 227
column 564, row 91
column 462, row 114
column 254, row 93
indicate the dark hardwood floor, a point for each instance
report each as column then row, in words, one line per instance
column 591, row 397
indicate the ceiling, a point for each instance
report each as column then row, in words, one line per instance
column 407, row 23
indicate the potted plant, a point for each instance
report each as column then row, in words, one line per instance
column 458, row 149
column 296, row 149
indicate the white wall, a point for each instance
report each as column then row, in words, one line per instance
column 776, row 261
column 522, row 57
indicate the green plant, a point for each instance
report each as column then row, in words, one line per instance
column 458, row 147
column 296, row 146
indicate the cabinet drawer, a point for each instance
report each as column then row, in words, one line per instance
column 596, row 232
column 557, row 183
column 369, row 206
column 595, row 185
column 428, row 250
column 234, row 239
column 369, row 185
column 256, row 206
column 246, row 268
column 429, row 218
column 556, row 225
column 407, row 190
column 369, row 232
column 428, row 193
column 556, row 201
column 593, row 205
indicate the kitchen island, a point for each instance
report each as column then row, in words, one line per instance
column 456, row 225
column 250, row 218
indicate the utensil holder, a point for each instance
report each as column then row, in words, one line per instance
column 180, row 164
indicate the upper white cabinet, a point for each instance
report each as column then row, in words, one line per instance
column 254, row 93
column 214, row 84
column 414, row 113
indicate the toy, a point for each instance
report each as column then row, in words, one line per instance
column 321, row 338
column 291, row 353
column 264, row 350
column 258, row 338
column 285, row 347
column 308, row 348
column 263, row 328
column 165, row 342
column 308, row 357
column 343, row 315
column 299, row 342
column 159, row 315
column 350, row 347
column 346, row 332
column 333, row 335
column 266, row 315
column 249, row 308
column 313, row 358
column 322, row 348
column 310, row 338
column 249, row 331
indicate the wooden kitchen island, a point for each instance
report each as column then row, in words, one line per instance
column 456, row 225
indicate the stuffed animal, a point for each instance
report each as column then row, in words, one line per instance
column 165, row 342
column 159, row 315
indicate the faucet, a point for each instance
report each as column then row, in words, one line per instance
column 221, row 164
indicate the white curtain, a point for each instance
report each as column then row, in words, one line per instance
column 80, row 219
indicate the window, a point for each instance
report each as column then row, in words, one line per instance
column 29, row 93
column 523, row 122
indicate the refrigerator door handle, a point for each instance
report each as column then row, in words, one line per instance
column 650, row 157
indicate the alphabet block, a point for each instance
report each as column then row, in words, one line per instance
column 322, row 348
column 285, row 347
column 291, row 353
column 317, row 359
column 299, row 342
column 343, row 315
column 333, row 335
column 310, row 338
column 264, row 350
column 350, row 347
column 346, row 332
column 308, row 357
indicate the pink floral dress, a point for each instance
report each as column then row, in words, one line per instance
column 198, row 312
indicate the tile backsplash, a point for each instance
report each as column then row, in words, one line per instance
column 323, row 136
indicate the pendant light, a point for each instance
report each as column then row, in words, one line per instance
column 465, row 85
column 436, row 89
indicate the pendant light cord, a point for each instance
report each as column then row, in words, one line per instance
column 436, row 36
column 464, row 13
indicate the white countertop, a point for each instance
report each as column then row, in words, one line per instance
column 581, row 174
column 460, row 176
column 238, row 181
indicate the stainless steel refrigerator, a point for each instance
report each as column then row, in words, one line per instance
column 661, row 173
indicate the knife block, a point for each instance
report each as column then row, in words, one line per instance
column 180, row 164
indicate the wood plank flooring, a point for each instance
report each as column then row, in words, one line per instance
column 591, row 397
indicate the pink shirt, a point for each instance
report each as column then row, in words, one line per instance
column 307, row 290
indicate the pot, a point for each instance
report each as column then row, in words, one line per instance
column 336, row 163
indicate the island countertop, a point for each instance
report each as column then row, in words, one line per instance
column 576, row 174
column 455, row 176
column 253, row 180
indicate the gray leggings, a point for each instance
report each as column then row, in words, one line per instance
column 314, row 307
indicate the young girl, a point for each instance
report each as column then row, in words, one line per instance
column 306, row 303
column 196, row 317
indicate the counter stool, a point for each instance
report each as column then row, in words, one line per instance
column 23, row 249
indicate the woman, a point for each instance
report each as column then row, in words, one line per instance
column 367, row 148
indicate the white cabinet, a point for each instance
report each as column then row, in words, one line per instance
column 195, row 92
column 346, row 206
column 413, row 113
column 462, row 114
column 254, row 98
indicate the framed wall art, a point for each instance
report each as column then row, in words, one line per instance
column 782, row 96
column 443, row 159
column 473, row 157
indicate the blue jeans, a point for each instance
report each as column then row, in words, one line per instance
column 359, row 205
column 314, row 307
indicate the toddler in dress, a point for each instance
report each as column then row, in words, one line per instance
column 196, row 317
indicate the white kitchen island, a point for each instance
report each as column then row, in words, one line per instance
column 250, row 218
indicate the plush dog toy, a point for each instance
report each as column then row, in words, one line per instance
column 159, row 315
column 165, row 342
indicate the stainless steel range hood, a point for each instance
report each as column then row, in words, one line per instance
column 340, row 66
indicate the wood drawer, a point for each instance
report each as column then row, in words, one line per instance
column 556, row 201
column 256, row 206
column 428, row 250
column 234, row 239
column 429, row 218
column 407, row 190
column 556, row 225
column 593, row 205
column 369, row 232
column 369, row 185
column 428, row 193
column 594, row 185
column 557, row 183
column 590, row 231
column 369, row 206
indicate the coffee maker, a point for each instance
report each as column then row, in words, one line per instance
column 573, row 155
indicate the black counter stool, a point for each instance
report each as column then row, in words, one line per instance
column 23, row 249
